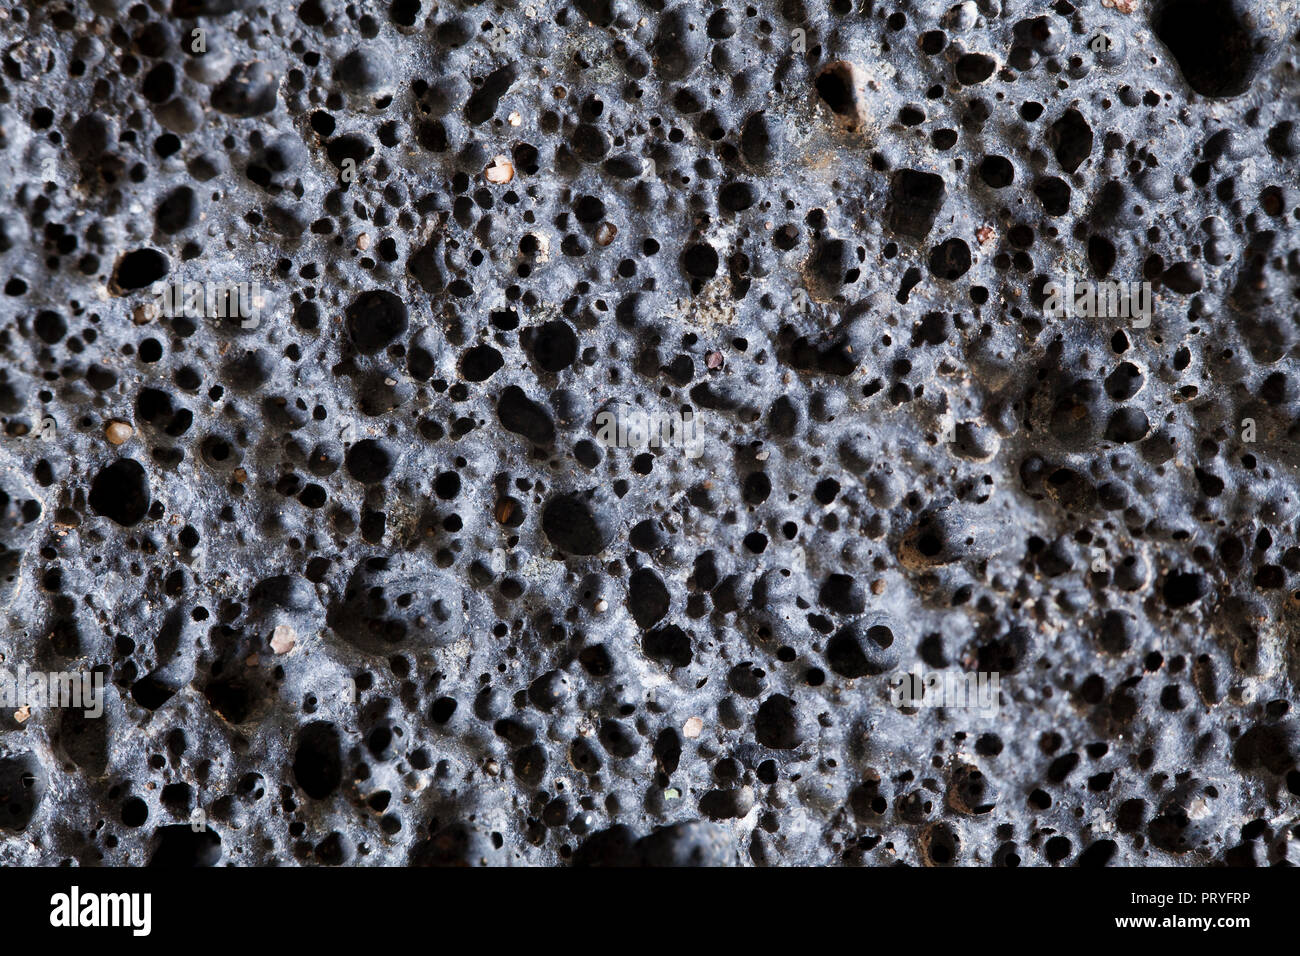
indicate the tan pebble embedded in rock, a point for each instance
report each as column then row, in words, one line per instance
column 283, row 639
column 605, row 233
column 501, row 170
column 692, row 728
column 118, row 433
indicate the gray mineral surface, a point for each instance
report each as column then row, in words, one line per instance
column 615, row 432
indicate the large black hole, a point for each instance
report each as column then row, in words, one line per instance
column 121, row 492
column 368, row 461
column 974, row 68
column 997, row 171
column 1211, row 42
column 181, row 846
column 22, row 782
column 1071, row 140
column 480, row 363
column 915, row 198
column 140, row 268
column 950, row 259
column 555, row 346
column 375, row 319
column 835, row 87
column 318, row 764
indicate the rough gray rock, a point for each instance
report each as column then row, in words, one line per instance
column 367, row 586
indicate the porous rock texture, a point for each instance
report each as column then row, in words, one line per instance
column 364, row 584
